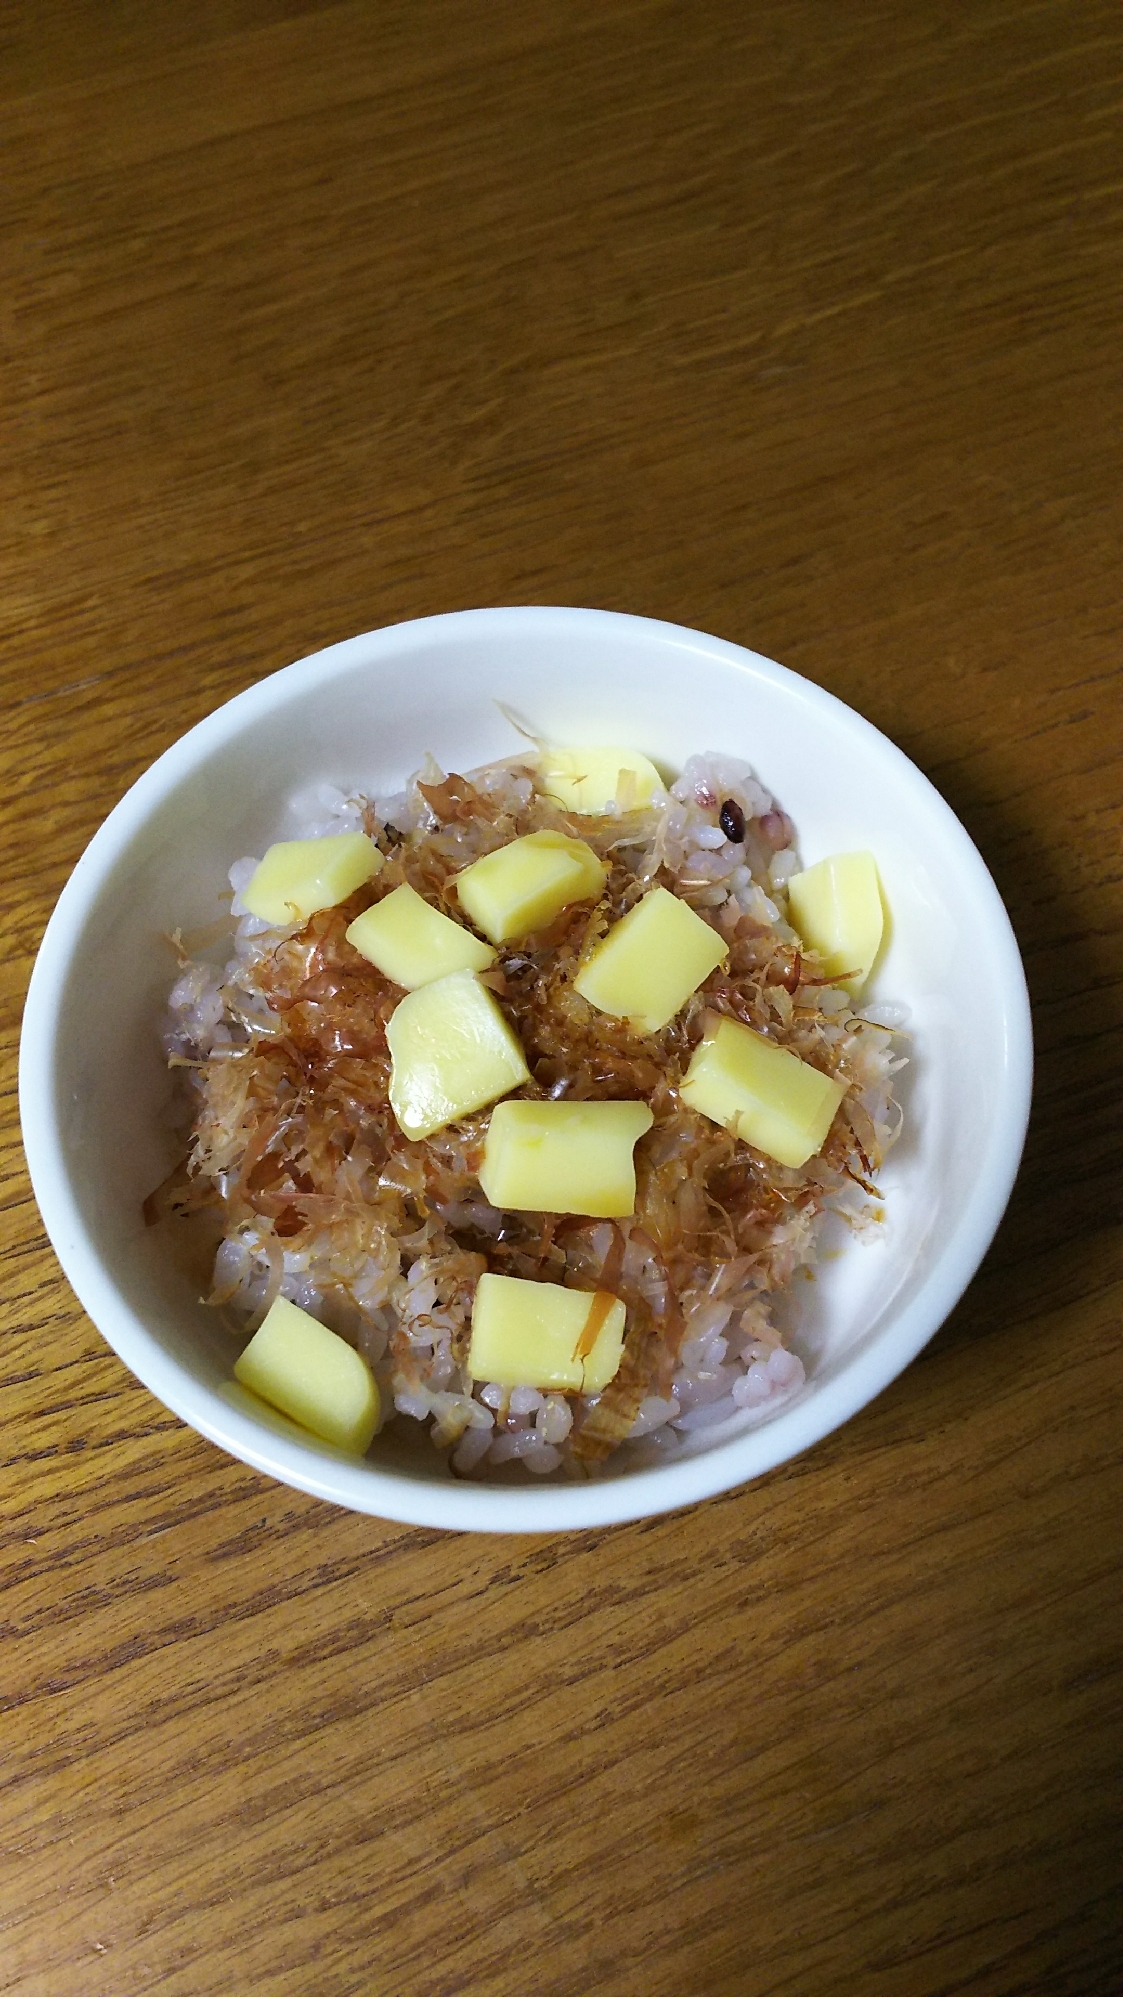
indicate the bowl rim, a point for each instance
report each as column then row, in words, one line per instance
column 461, row 1505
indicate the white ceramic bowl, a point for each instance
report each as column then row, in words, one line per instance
column 93, row 1087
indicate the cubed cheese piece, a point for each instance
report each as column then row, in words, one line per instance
column 590, row 781
column 762, row 1093
column 524, row 885
column 413, row 943
column 299, row 876
column 563, row 1157
column 649, row 963
column 837, row 908
column 452, row 1052
column 313, row 1376
column 539, row 1335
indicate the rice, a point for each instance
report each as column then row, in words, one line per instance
column 296, row 1162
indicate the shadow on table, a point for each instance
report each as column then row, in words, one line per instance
column 1069, row 1189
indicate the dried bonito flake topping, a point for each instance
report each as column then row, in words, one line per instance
column 366, row 1129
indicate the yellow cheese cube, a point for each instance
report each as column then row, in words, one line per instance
column 590, row 781
column 649, row 963
column 765, row 1095
column 539, row 1335
column 452, row 1052
column 559, row 1157
column 524, row 885
column 837, row 908
column 313, row 1376
column 413, row 943
column 299, row 876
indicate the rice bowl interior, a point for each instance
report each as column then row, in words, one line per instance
column 295, row 1152
column 95, row 1095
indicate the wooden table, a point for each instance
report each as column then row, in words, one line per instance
column 798, row 322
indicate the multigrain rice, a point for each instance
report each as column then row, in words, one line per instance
column 297, row 1166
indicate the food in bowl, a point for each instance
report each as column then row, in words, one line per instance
column 524, row 1087
column 94, row 1090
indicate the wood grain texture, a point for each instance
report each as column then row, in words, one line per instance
column 797, row 322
